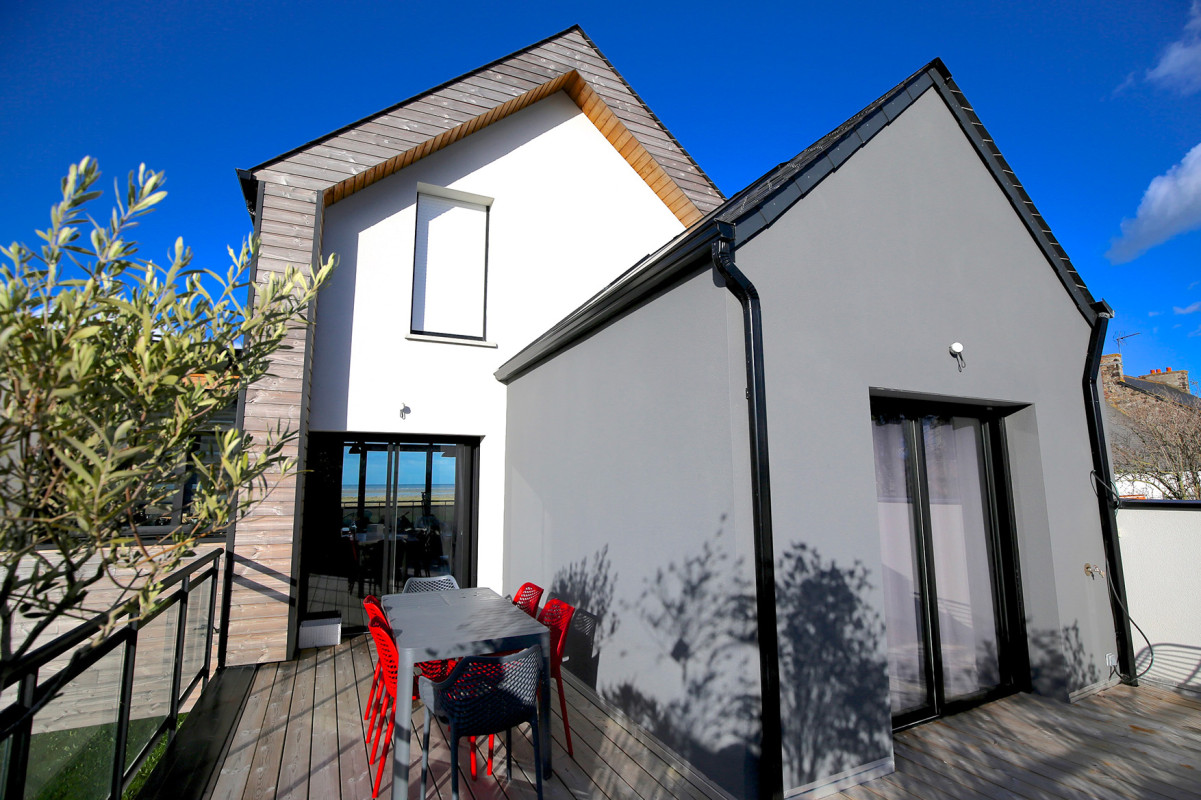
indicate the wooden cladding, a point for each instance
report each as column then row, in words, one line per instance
column 448, row 137
column 648, row 167
column 374, row 148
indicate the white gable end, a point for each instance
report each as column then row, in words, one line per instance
column 566, row 214
column 569, row 215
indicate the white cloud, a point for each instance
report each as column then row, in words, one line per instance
column 1179, row 67
column 1154, row 313
column 1189, row 309
column 1170, row 206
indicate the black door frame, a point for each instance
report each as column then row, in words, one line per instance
column 322, row 443
column 1012, row 650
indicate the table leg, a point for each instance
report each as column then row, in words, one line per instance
column 402, row 732
column 544, row 715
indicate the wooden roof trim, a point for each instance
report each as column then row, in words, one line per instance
column 590, row 103
column 632, row 150
column 361, row 153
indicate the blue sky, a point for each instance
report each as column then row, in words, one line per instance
column 1096, row 105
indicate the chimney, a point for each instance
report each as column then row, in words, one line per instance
column 1111, row 371
column 1177, row 379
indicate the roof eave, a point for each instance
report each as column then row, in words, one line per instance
column 627, row 292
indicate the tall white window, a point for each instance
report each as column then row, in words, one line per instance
column 450, row 263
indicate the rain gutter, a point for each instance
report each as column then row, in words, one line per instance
column 1107, row 497
column 771, row 766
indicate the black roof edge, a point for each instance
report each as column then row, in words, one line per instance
column 990, row 154
column 765, row 199
column 771, row 191
column 250, row 192
column 623, row 294
column 762, row 202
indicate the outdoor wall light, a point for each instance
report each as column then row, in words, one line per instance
column 956, row 351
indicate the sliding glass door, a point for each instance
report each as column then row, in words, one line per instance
column 380, row 510
column 949, row 575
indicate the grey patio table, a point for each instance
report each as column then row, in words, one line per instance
column 431, row 626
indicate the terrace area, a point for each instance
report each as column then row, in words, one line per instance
column 295, row 731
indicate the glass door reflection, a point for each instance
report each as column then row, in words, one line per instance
column 379, row 511
column 943, row 555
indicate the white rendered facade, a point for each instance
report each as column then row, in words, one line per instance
column 567, row 215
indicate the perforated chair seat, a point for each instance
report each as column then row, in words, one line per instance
column 484, row 695
column 527, row 598
column 442, row 583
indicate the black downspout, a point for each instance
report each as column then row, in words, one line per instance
column 771, row 762
column 1106, row 497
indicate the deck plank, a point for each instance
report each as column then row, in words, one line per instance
column 231, row 782
column 356, row 778
column 297, row 754
column 323, row 776
column 1052, row 760
column 679, row 778
column 264, row 772
column 1094, row 752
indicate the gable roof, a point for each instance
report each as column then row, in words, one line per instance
column 357, row 155
column 758, row 205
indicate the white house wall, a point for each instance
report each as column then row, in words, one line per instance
column 908, row 247
column 568, row 215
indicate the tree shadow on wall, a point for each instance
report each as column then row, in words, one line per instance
column 587, row 585
column 834, row 675
column 702, row 618
column 1059, row 664
column 833, row 671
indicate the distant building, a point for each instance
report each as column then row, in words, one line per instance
column 1135, row 401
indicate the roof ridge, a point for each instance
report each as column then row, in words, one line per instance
column 358, row 154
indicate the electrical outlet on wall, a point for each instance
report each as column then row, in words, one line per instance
column 1111, row 660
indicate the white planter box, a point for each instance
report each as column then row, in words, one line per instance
column 319, row 633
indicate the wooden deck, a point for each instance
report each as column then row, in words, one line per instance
column 300, row 735
column 1126, row 742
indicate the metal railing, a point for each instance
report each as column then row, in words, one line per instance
column 111, row 703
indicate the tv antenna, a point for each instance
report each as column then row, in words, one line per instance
column 1118, row 339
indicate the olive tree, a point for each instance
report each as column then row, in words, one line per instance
column 110, row 366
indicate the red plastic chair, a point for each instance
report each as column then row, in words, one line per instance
column 527, row 598
column 375, row 611
column 557, row 615
column 385, row 704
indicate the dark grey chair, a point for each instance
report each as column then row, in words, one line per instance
column 485, row 695
column 442, row 583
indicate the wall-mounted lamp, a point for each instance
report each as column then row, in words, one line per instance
column 956, row 351
column 404, row 409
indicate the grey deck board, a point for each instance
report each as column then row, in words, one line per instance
column 1123, row 743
